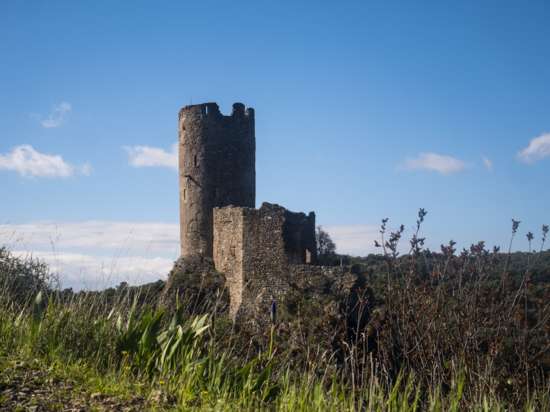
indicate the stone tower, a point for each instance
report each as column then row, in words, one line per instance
column 217, row 167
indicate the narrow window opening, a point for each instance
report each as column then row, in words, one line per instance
column 205, row 109
column 195, row 160
column 308, row 256
column 184, row 195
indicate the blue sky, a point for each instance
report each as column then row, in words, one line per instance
column 364, row 110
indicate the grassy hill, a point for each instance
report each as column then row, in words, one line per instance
column 427, row 331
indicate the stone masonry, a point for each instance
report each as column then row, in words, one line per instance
column 217, row 167
column 267, row 255
column 255, row 249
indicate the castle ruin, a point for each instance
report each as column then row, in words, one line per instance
column 217, row 167
column 263, row 253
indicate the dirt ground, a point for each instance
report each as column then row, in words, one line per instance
column 31, row 386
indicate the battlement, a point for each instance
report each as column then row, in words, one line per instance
column 211, row 109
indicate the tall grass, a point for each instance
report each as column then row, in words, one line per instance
column 439, row 334
column 183, row 359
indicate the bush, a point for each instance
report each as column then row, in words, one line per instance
column 22, row 278
column 445, row 314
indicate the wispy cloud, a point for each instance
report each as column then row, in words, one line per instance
column 28, row 162
column 57, row 115
column 357, row 240
column 86, row 169
column 435, row 163
column 98, row 254
column 147, row 156
column 93, row 235
column 488, row 163
column 80, row 271
column 538, row 149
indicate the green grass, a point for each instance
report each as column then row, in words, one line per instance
column 427, row 346
column 175, row 363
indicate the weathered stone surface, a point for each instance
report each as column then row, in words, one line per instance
column 228, row 251
column 263, row 254
column 266, row 254
column 217, row 161
column 254, row 248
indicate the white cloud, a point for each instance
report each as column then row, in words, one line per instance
column 357, row 240
column 93, row 236
column 98, row 254
column 538, row 149
column 86, row 169
column 80, row 271
column 436, row 163
column 488, row 163
column 57, row 115
column 147, row 156
column 28, row 162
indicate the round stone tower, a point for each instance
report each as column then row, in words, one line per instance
column 217, row 167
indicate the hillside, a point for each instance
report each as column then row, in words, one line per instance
column 444, row 332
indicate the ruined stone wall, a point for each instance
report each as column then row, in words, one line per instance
column 299, row 238
column 216, row 167
column 267, row 254
column 255, row 248
column 265, row 261
column 228, row 252
column 314, row 280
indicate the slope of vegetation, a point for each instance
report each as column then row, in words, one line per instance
column 428, row 331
